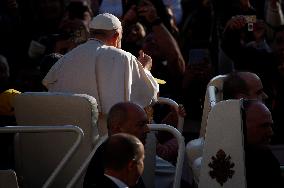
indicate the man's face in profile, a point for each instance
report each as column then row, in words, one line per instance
column 259, row 125
column 138, row 166
column 136, row 124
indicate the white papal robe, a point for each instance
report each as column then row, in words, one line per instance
column 109, row 74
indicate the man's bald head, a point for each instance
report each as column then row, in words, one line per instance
column 246, row 85
column 128, row 117
column 124, row 158
column 120, row 149
column 258, row 123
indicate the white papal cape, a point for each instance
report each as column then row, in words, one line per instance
column 109, row 74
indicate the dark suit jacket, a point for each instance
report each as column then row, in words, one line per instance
column 262, row 168
column 105, row 182
column 95, row 171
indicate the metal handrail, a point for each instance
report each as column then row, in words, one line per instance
column 164, row 100
column 181, row 149
column 212, row 95
column 83, row 167
column 153, row 127
column 51, row 128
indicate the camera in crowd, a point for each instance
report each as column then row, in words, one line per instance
column 250, row 20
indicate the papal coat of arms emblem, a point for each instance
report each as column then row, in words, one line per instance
column 222, row 167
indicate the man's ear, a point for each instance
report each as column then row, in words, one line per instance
column 116, row 39
column 113, row 40
column 116, row 35
column 131, row 165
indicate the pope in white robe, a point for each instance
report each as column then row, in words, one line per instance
column 103, row 70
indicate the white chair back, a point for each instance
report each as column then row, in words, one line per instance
column 47, row 108
column 213, row 95
column 194, row 148
column 223, row 162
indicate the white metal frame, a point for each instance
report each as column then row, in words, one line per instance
column 153, row 127
column 181, row 149
column 84, row 166
column 168, row 101
column 44, row 129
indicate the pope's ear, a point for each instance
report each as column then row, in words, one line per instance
column 116, row 34
column 115, row 39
